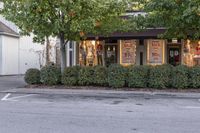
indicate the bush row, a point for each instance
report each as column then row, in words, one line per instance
column 117, row 76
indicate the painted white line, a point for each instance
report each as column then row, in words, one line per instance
column 5, row 98
column 192, row 107
column 14, row 98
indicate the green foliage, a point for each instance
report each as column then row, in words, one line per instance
column 100, row 78
column 138, row 76
column 32, row 76
column 86, row 76
column 65, row 17
column 179, row 17
column 160, row 76
column 180, row 77
column 116, row 76
column 70, row 76
column 194, row 77
column 70, row 20
column 50, row 75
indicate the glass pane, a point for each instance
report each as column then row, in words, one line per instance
column 70, row 58
column 71, row 45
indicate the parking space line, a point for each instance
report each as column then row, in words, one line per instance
column 6, row 97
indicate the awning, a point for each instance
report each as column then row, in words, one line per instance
column 145, row 34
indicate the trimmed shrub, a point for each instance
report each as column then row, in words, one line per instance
column 70, row 76
column 180, row 77
column 160, row 76
column 116, row 76
column 86, row 76
column 194, row 77
column 100, row 73
column 138, row 76
column 50, row 75
column 32, row 76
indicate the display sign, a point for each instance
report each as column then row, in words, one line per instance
column 197, row 51
column 155, row 51
column 128, row 52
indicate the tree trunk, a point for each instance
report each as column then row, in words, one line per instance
column 47, row 51
column 63, row 52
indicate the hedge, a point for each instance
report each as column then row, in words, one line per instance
column 50, row 75
column 70, row 76
column 160, row 76
column 180, row 77
column 138, row 76
column 32, row 76
column 86, row 76
column 116, row 76
column 194, row 77
column 100, row 76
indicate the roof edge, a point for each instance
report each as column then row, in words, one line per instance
column 9, row 34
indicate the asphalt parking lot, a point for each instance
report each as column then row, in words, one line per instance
column 79, row 111
column 42, row 113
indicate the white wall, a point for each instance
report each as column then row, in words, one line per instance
column 19, row 54
column 10, row 55
column 0, row 55
column 31, row 54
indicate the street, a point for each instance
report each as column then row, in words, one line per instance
column 40, row 113
column 88, row 112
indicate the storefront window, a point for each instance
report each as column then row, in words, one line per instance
column 128, row 52
column 191, row 55
column 155, row 52
column 91, row 53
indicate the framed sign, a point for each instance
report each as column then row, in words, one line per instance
column 128, row 52
column 155, row 52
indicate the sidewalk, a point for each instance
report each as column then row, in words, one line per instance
column 104, row 93
column 9, row 82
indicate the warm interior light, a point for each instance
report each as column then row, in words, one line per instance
column 82, row 33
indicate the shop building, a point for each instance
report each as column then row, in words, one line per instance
column 139, row 48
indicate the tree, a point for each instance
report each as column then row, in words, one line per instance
column 66, row 19
column 181, row 18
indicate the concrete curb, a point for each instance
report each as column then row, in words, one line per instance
column 104, row 93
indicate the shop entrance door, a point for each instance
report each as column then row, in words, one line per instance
column 174, row 55
column 111, row 54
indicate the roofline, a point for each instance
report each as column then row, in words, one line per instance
column 8, row 34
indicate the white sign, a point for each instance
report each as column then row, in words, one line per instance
column 128, row 52
column 156, row 49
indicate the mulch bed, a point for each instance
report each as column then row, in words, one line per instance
column 108, row 88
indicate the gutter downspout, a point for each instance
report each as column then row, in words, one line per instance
column 19, row 57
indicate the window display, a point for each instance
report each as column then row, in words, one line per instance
column 191, row 54
column 90, row 53
column 111, row 54
column 99, row 51
column 155, row 52
column 128, row 52
column 174, row 56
